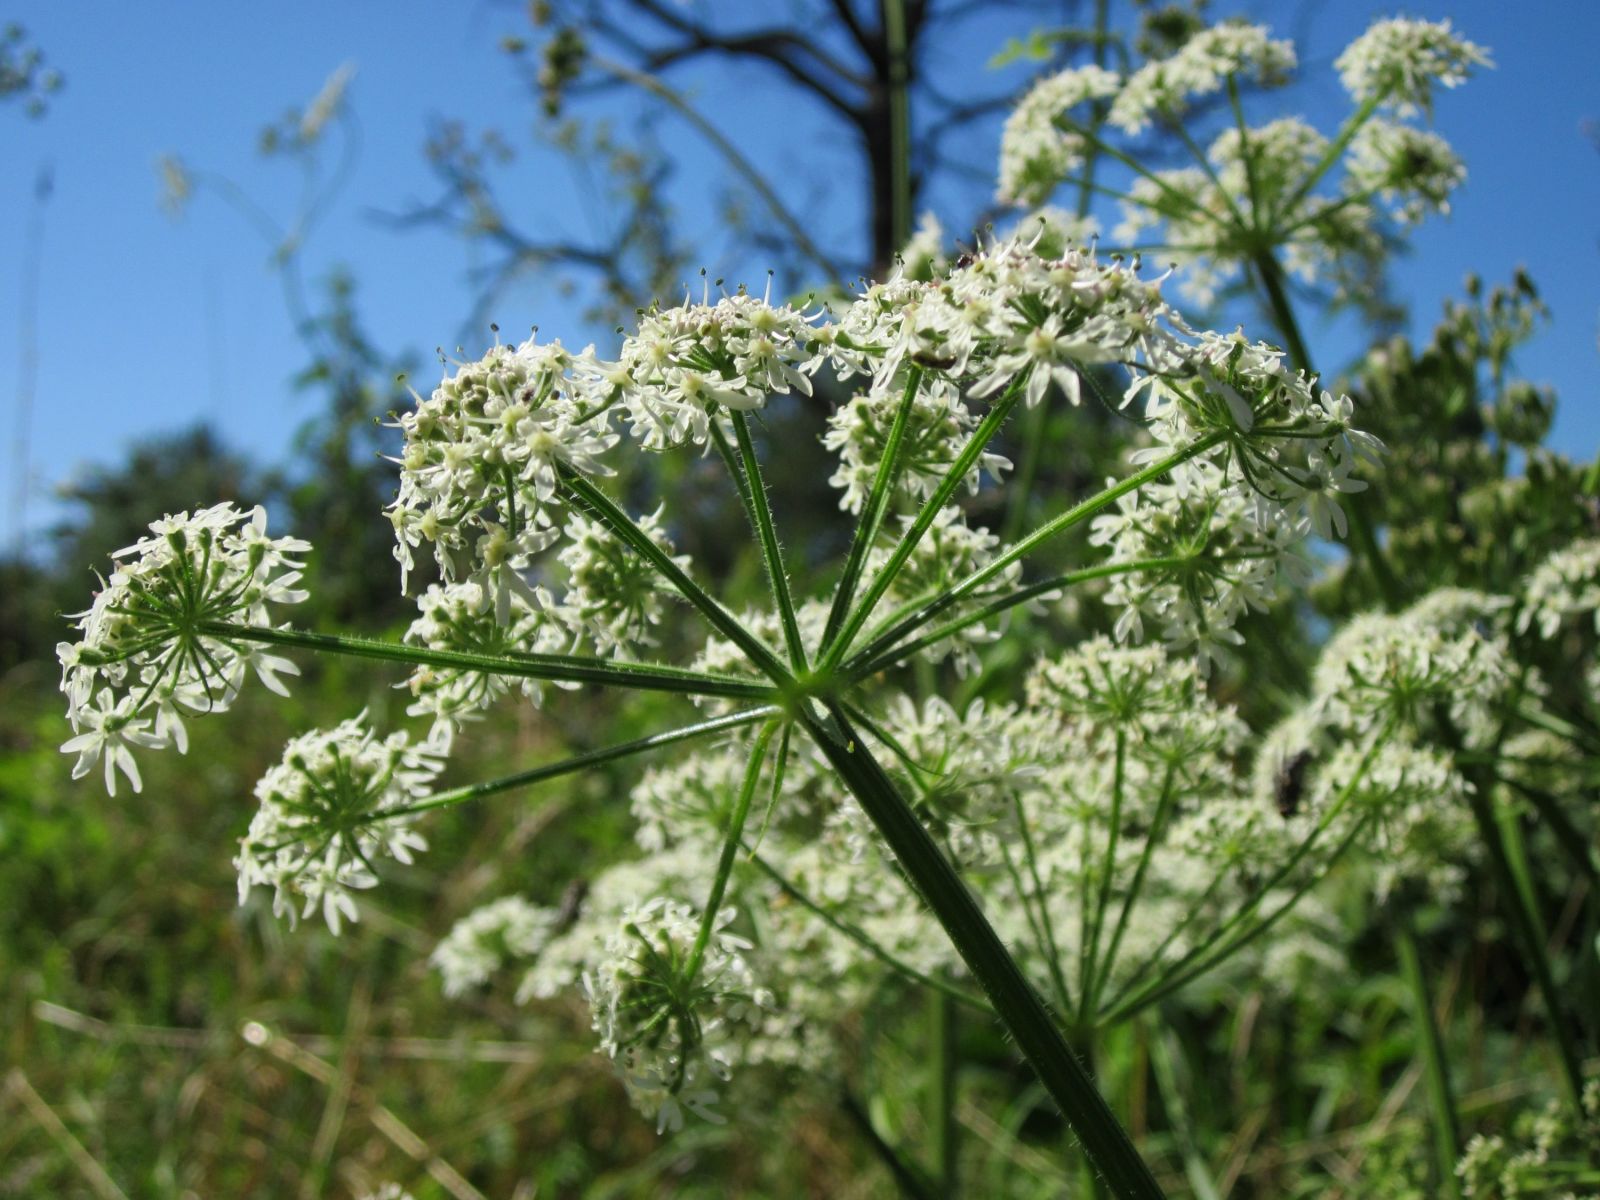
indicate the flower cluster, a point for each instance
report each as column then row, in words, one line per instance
column 482, row 942
column 1548, row 1153
column 661, row 1009
column 682, row 364
column 1215, row 559
column 1565, row 585
column 339, row 800
column 1036, row 153
column 936, row 428
column 1254, row 187
column 1397, row 62
column 614, row 597
column 1372, row 759
column 1201, row 67
column 454, row 617
column 162, row 637
column 1412, row 170
column 1006, row 316
column 1441, row 661
column 482, row 460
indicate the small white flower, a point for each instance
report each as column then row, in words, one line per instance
column 108, row 731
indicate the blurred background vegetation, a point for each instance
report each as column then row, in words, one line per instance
column 159, row 1040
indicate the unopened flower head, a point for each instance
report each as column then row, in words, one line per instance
column 328, row 811
column 156, row 644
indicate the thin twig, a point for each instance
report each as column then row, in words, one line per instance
column 88, row 1166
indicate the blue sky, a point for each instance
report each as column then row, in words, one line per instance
column 146, row 323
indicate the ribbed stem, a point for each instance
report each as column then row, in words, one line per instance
column 644, row 545
column 872, row 513
column 755, row 492
column 565, row 668
column 578, row 762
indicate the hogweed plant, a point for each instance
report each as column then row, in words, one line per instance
column 1063, row 860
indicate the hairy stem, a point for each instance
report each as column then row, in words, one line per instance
column 565, row 668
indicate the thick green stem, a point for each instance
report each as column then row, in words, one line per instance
column 1015, row 1002
column 565, row 668
column 1441, row 1098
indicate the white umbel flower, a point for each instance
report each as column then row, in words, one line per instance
column 664, row 1027
column 328, row 812
column 482, row 942
column 480, row 472
column 682, row 365
column 1565, row 585
column 1398, row 61
column 152, row 646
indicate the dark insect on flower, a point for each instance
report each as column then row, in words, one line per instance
column 571, row 904
column 1290, row 785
